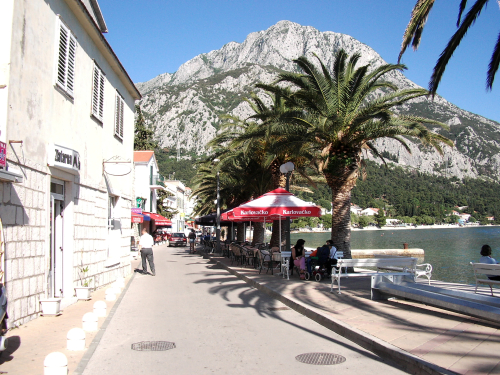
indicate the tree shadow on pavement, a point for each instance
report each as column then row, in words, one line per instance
column 263, row 304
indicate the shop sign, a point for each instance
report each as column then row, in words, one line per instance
column 64, row 158
column 136, row 210
column 3, row 154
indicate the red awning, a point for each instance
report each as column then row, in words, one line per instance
column 159, row 220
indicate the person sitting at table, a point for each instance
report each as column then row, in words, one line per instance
column 298, row 256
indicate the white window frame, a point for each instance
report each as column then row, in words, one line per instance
column 98, row 93
column 65, row 58
column 119, row 113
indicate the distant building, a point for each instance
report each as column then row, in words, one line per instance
column 369, row 211
column 355, row 209
column 464, row 217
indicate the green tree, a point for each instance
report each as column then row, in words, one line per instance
column 415, row 27
column 342, row 115
column 326, row 220
column 143, row 136
column 162, row 210
column 380, row 218
column 364, row 221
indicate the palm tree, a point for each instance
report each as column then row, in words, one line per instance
column 273, row 152
column 415, row 27
column 342, row 115
column 241, row 173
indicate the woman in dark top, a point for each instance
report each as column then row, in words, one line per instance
column 298, row 256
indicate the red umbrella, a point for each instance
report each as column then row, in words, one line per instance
column 277, row 203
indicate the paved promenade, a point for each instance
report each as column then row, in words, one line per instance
column 227, row 319
column 418, row 337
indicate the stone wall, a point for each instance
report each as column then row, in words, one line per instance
column 23, row 210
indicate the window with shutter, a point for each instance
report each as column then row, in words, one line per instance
column 119, row 115
column 66, row 59
column 98, row 93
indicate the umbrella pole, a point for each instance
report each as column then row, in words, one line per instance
column 280, row 233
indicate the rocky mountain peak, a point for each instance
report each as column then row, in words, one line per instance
column 185, row 107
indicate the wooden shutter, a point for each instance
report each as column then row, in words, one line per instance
column 66, row 59
column 119, row 116
column 98, row 93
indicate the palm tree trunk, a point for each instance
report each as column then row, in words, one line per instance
column 258, row 233
column 279, row 180
column 341, row 221
column 240, row 234
column 342, row 184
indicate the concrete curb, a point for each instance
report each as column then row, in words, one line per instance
column 407, row 361
column 95, row 342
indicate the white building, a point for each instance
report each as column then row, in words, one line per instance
column 355, row 209
column 369, row 211
column 148, row 181
column 178, row 202
column 67, row 120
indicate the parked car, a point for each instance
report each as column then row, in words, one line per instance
column 177, row 239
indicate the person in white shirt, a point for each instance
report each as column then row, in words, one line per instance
column 332, row 259
column 146, row 247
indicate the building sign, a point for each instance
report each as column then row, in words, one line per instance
column 136, row 210
column 64, row 158
column 3, row 154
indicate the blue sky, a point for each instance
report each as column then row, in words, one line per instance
column 156, row 36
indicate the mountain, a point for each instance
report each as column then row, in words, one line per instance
column 185, row 107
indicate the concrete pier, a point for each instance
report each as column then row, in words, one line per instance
column 373, row 253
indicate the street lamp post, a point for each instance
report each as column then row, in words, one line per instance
column 287, row 169
column 217, row 229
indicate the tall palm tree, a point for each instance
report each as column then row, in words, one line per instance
column 241, row 173
column 415, row 27
column 259, row 135
column 342, row 115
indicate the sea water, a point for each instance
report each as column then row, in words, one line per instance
column 450, row 251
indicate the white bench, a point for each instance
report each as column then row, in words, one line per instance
column 421, row 270
column 486, row 269
column 407, row 266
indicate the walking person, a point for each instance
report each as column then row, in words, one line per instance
column 192, row 238
column 146, row 247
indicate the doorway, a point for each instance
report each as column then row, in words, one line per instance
column 56, row 239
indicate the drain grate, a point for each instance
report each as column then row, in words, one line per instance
column 153, row 346
column 278, row 308
column 320, row 358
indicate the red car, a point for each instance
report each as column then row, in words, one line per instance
column 177, row 239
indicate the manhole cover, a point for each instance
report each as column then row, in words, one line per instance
column 153, row 346
column 320, row 358
column 278, row 308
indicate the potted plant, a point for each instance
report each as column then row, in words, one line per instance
column 51, row 306
column 83, row 291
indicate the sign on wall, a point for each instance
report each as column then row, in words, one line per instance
column 64, row 158
column 3, row 154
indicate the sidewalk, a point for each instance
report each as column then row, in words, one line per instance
column 185, row 306
column 420, row 338
column 29, row 344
